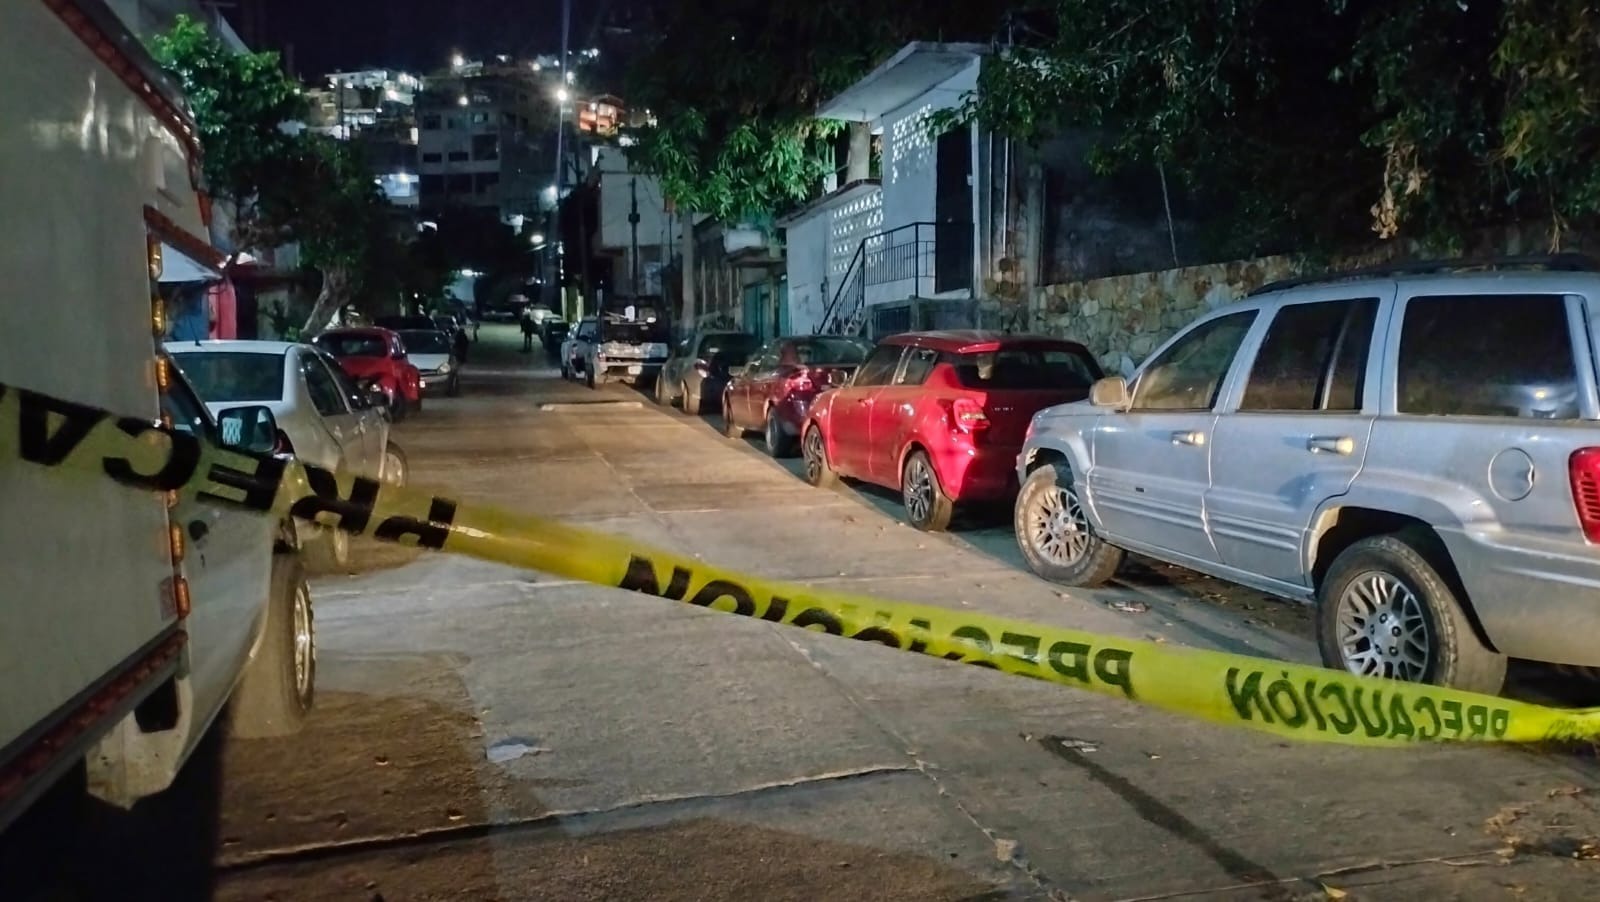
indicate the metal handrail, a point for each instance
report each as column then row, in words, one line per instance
column 880, row 259
column 844, row 285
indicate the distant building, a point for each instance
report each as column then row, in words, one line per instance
column 485, row 140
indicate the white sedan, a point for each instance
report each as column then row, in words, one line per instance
column 323, row 417
column 433, row 354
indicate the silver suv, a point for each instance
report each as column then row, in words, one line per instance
column 1417, row 454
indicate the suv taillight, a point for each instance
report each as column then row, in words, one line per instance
column 967, row 415
column 1583, row 468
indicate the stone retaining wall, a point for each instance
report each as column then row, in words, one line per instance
column 1121, row 319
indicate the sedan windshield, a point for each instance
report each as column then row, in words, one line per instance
column 234, row 377
column 353, row 344
column 830, row 351
column 420, row 342
column 733, row 348
column 1026, row 368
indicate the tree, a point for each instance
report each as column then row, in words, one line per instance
column 286, row 185
column 734, row 87
column 1316, row 126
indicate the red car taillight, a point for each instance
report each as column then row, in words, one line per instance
column 967, row 415
column 1583, row 468
column 801, row 382
column 283, row 445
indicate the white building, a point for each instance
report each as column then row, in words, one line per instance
column 909, row 233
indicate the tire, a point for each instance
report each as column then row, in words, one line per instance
column 1416, row 600
column 691, row 402
column 396, row 469
column 1070, row 553
column 661, row 391
column 815, row 451
column 280, row 682
column 779, row 443
column 928, row 508
column 400, row 407
column 729, row 427
column 325, row 550
column 415, row 406
column 588, row 377
column 566, row 372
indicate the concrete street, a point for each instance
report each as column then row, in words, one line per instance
column 485, row 733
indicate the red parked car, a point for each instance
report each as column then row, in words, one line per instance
column 941, row 416
column 774, row 393
column 375, row 355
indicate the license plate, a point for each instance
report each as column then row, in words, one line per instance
column 635, row 370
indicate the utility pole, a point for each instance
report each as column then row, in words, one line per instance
column 633, row 224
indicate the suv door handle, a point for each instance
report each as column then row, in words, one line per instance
column 1189, row 438
column 1331, row 444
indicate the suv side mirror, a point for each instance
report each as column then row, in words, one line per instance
column 1112, row 391
column 253, row 429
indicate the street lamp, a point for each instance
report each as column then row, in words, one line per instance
column 462, row 100
column 457, row 60
column 563, row 95
column 536, row 239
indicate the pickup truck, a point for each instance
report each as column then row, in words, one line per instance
column 625, row 350
column 132, row 620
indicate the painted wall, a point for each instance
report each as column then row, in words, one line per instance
column 908, row 151
column 808, row 273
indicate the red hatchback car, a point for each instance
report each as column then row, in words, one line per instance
column 774, row 393
column 941, row 416
column 375, row 355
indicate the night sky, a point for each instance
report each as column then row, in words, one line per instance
column 416, row 35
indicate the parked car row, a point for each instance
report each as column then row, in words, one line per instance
column 333, row 399
column 1418, row 456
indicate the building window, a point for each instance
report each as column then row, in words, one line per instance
column 486, row 147
column 458, row 156
column 459, row 184
column 480, row 118
column 431, row 121
column 487, row 180
column 453, row 123
column 432, row 184
column 432, row 157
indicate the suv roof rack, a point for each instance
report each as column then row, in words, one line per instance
column 1565, row 262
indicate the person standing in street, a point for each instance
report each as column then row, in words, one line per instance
column 528, row 325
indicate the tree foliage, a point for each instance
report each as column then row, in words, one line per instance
column 287, row 186
column 734, row 86
column 1315, row 126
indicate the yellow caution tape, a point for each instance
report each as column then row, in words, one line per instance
column 1289, row 700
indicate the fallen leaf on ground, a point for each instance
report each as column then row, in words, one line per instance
column 1130, row 607
column 1078, row 745
column 1565, row 791
column 1334, row 892
column 1005, row 849
column 1505, row 817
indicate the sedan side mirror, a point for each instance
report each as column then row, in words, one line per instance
column 253, row 429
column 1112, row 392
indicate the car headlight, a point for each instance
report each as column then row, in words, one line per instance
column 444, row 367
